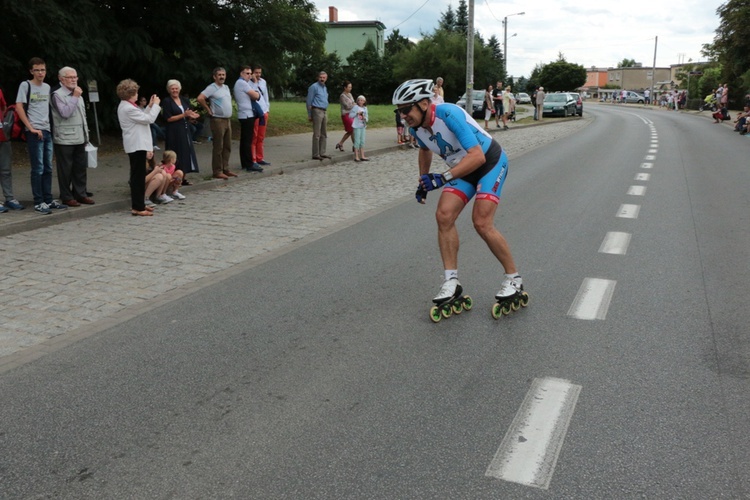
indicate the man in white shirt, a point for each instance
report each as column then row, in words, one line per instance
column 220, row 113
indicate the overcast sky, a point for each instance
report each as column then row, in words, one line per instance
column 587, row 33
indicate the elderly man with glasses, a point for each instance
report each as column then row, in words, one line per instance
column 70, row 135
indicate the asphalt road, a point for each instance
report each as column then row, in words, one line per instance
column 318, row 374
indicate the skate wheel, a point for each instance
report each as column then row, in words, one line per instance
column 516, row 304
column 457, row 307
column 506, row 308
column 497, row 311
column 468, row 303
column 435, row 315
column 446, row 311
column 524, row 299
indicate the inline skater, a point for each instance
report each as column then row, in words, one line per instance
column 477, row 165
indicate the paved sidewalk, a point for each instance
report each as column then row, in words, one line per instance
column 94, row 267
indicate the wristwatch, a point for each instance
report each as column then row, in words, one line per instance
column 447, row 175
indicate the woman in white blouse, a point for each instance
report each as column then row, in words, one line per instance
column 136, row 139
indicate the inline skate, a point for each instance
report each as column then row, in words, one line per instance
column 510, row 298
column 450, row 301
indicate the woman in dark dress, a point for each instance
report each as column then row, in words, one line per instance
column 177, row 113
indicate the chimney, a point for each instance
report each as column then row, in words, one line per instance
column 333, row 14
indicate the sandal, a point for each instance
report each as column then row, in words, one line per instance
column 141, row 213
column 340, row 147
column 186, row 182
column 365, row 159
column 150, row 208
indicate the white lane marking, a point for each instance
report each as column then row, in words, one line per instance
column 628, row 211
column 637, row 190
column 592, row 299
column 649, row 157
column 615, row 243
column 654, row 151
column 642, row 177
column 529, row 451
column 647, row 165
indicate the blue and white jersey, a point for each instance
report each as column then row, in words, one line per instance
column 452, row 133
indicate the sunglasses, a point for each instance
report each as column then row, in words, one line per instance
column 405, row 110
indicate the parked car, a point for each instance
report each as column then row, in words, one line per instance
column 523, row 98
column 477, row 103
column 561, row 103
column 579, row 103
column 635, row 98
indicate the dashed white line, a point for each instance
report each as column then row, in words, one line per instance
column 528, row 453
column 647, row 165
column 628, row 211
column 592, row 300
column 637, row 190
column 615, row 243
column 649, row 157
column 642, row 177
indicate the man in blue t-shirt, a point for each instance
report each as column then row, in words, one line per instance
column 477, row 165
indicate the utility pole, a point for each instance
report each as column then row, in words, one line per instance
column 470, row 61
column 653, row 71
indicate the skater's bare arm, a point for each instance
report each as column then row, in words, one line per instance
column 425, row 161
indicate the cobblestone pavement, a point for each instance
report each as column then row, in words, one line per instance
column 72, row 276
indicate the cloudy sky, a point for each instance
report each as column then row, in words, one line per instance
column 596, row 33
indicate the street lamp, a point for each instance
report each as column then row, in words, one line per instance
column 505, row 40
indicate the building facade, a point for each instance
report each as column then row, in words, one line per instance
column 344, row 37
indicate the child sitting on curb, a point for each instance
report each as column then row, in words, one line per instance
column 168, row 162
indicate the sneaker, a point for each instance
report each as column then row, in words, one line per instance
column 14, row 205
column 264, row 163
column 148, row 202
column 450, row 288
column 510, row 287
column 43, row 208
column 165, row 198
column 2, row 209
column 57, row 205
column 177, row 195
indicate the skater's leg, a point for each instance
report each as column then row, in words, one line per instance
column 483, row 217
column 449, row 208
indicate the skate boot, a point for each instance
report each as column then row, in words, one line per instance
column 449, row 301
column 511, row 297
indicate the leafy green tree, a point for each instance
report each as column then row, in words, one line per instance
column 396, row 42
column 370, row 75
column 626, row 63
column 731, row 46
column 443, row 54
column 562, row 75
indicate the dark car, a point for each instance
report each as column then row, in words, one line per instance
column 477, row 103
column 579, row 102
column 561, row 103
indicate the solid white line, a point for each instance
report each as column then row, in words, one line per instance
column 592, row 299
column 629, row 211
column 642, row 177
column 647, row 165
column 637, row 190
column 529, row 451
column 615, row 243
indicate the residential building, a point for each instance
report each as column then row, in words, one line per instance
column 344, row 37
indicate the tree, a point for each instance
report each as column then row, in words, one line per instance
column 443, row 53
column 626, row 63
column 370, row 75
column 448, row 20
column 462, row 18
column 562, row 75
column 395, row 43
column 732, row 46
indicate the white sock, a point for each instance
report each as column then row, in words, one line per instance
column 511, row 276
column 451, row 274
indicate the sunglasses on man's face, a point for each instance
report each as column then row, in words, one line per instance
column 405, row 110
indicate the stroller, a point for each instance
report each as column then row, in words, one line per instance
column 709, row 103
